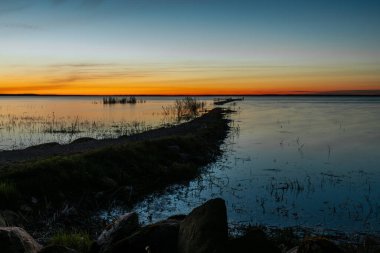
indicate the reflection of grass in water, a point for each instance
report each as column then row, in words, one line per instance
column 22, row 131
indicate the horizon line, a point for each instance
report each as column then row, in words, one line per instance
column 377, row 94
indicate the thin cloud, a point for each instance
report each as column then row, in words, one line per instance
column 82, row 65
column 18, row 89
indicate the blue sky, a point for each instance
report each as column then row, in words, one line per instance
column 231, row 34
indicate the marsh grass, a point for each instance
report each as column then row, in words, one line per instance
column 184, row 109
column 21, row 132
column 7, row 190
column 121, row 100
column 8, row 194
column 144, row 166
column 79, row 241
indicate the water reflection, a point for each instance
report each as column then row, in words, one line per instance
column 310, row 162
column 27, row 121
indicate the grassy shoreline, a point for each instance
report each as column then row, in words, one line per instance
column 124, row 172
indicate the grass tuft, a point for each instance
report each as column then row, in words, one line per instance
column 8, row 192
column 79, row 241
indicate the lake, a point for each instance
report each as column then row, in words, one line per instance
column 309, row 162
column 27, row 120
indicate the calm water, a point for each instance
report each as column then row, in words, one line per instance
column 310, row 162
column 27, row 121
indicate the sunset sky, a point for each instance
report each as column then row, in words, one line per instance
column 189, row 46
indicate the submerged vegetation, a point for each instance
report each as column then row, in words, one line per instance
column 123, row 172
column 121, row 100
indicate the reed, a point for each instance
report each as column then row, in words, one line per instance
column 121, row 100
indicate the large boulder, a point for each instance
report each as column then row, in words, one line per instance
column 17, row 240
column 318, row 245
column 160, row 237
column 57, row 249
column 205, row 229
column 255, row 241
column 122, row 228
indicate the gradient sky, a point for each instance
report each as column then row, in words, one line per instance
column 189, row 46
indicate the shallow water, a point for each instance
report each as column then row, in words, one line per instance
column 290, row 161
column 27, row 120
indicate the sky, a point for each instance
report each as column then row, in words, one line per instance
column 189, row 46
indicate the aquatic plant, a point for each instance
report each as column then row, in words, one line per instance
column 122, row 100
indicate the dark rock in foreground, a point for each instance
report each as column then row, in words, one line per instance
column 205, row 229
column 255, row 241
column 124, row 226
column 17, row 240
column 160, row 237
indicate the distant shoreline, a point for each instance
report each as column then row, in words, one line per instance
column 197, row 95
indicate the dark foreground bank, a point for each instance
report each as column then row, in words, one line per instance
column 203, row 230
column 50, row 186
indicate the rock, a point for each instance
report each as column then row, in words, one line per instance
column 177, row 217
column 17, row 240
column 122, row 228
column 57, row 249
column 205, row 229
column 318, row 245
column 255, row 241
column 160, row 237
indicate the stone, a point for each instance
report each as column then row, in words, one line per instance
column 57, row 249
column 205, row 229
column 122, row 228
column 318, row 245
column 17, row 240
column 160, row 237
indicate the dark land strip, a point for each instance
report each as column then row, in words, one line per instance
column 43, row 185
column 84, row 145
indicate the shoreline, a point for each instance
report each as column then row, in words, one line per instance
column 58, row 187
column 82, row 145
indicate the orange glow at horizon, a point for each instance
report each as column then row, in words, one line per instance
column 116, row 80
